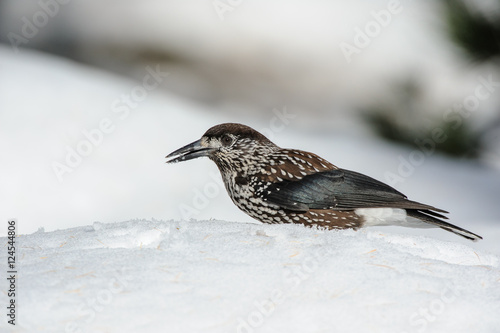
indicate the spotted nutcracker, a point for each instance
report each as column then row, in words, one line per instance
column 276, row 185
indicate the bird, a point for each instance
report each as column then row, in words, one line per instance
column 276, row 185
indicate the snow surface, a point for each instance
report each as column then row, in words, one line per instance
column 216, row 276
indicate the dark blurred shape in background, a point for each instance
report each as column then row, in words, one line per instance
column 402, row 123
column 478, row 35
column 475, row 31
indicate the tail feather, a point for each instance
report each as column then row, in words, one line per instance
column 429, row 216
column 433, row 213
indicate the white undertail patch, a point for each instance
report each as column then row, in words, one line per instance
column 390, row 216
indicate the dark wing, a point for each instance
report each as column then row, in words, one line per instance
column 347, row 190
column 339, row 189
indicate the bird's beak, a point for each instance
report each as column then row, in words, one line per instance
column 189, row 152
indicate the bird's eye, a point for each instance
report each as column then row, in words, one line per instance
column 227, row 140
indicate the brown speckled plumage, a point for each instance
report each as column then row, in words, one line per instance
column 275, row 185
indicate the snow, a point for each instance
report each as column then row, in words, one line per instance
column 81, row 269
column 218, row 276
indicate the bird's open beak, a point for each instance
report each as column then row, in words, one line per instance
column 189, row 152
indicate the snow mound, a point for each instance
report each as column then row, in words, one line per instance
column 215, row 276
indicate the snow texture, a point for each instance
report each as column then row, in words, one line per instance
column 216, row 276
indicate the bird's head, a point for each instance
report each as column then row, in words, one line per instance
column 228, row 145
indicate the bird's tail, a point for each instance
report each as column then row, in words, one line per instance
column 434, row 218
